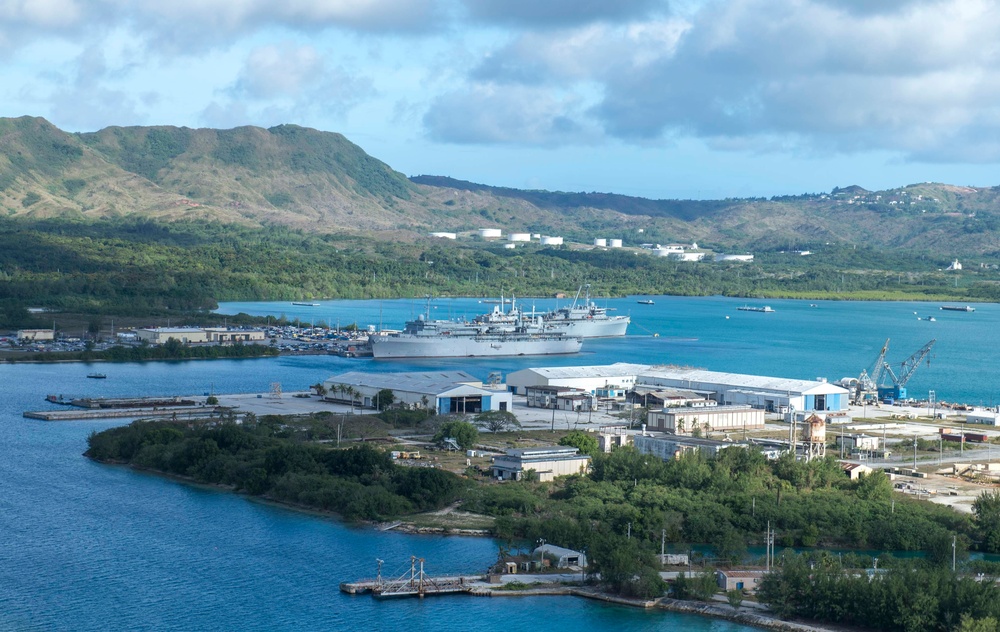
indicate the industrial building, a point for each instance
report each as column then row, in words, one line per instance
column 224, row 335
column 446, row 392
column 159, row 335
column 547, row 463
column 561, row 557
column 773, row 394
column 708, row 419
column 585, row 378
column 611, row 437
column 36, row 334
column 669, row 446
column 984, row 417
column 221, row 335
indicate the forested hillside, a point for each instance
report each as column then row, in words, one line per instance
column 321, row 182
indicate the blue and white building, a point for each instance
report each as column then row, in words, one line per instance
column 773, row 394
column 447, row 392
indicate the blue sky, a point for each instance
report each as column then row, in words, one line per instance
column 681, row 99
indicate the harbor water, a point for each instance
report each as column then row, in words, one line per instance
column 85, row 546
column 800, row 339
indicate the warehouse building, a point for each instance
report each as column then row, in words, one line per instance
column 159, row 335
column 447, row 392
column 773, row 394
column 224, row 335
column 667, row 446
column 547, row 463
column 620, row 375
column 706, row 419
column 36, row 334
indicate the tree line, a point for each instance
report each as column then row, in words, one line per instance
column 262, row 458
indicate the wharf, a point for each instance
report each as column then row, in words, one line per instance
column 69, row 415
column 418, row 586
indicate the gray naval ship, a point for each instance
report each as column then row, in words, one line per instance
column 586, row 319
column 581, row 319
column 426, row 338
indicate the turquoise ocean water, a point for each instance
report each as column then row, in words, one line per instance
column 91, row 547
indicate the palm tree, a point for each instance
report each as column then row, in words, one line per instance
column 351, row 392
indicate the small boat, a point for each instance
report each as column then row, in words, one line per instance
column 929, row 318
column 748, row 308
column 306, row 304
column 97, row 376
column 646, row 302
column 958, row 308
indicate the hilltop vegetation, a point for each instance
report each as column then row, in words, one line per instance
column 321, row 182
column 134, row 267
column 161, row 220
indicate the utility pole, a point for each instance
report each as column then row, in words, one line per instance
column 629, row 531
column 954, row 542
column 663, row 544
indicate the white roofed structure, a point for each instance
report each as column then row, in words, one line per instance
column 586, row 378
column 445, row 391
column 759, row 391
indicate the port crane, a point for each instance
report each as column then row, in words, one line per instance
column 868, row 382
column 907, row 368
column 872, row 383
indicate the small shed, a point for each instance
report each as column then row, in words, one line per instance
column 746, row 579
column 564, row 558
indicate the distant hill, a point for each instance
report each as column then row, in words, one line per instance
column 320, row 181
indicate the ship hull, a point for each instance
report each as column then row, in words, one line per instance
column 591, row 328
column 389, row 347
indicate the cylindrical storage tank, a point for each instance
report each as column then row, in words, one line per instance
column 551, row 241
column 490, row 233
column 536, row 235
column 603, row 243
column 615, row 243
column 519, row 237
column 445, row 235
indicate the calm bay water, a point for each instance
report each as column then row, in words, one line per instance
column 91, row 547
column 85, row 546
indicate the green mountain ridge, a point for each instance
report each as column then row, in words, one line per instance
column 321, row 182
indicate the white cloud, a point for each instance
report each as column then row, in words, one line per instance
column 824, row 77
column 287, row 82
column 513, row 115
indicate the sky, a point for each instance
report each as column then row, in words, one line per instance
column 656, row 98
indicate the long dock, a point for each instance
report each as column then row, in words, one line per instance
column 107, row 413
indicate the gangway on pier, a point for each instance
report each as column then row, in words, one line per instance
column 415, row 583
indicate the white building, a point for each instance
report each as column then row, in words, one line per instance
column 229, row 335
column 160, row 335
column 711, row 419
column 987, row 418
column 561, row 557
column 585, row 378
column 36, row 334
column 759, row 391
column 955, row 265
column 445, row 235
column 547, row 463
column 667, row 446
column 743, row 258
column 444, row 391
